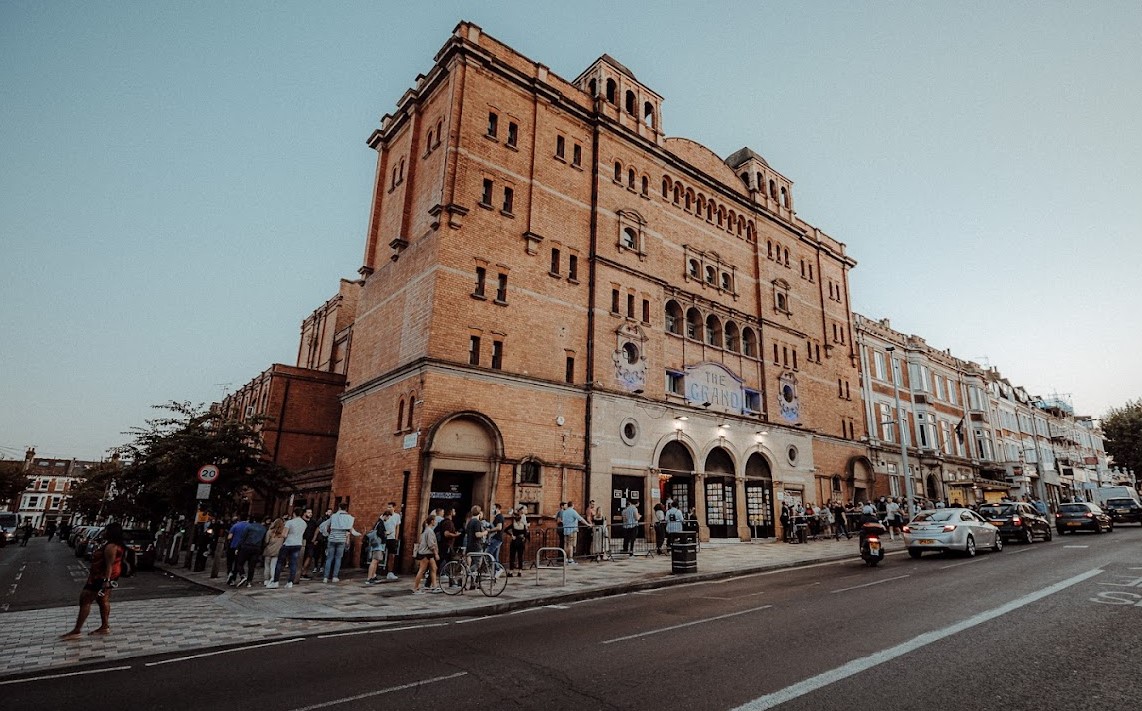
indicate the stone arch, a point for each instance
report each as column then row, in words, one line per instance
column 465, row 449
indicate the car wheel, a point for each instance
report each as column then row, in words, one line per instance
column 915, row 552
column 1028, row 536
column 969, row 547
column 1049, row 535
column 998, row 547
column 1097, row 527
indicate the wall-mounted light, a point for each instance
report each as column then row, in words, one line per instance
column 681, row 418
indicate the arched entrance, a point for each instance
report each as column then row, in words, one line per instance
column 721, row 507
column 461, row 460
column 933, row 488
column 677, row 475
column 759, row 496
column 860, row 480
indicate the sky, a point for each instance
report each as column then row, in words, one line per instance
column 181, row 184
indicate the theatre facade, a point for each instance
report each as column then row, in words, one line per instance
column 562, row 302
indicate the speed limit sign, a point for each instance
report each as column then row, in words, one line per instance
column 207, row 474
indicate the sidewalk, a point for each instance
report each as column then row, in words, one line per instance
column 241, row 616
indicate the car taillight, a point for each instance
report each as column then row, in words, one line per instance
column 874, row 539
column 1016, row 521
column 948, row 528
column 907, row 529
column 1058, row 515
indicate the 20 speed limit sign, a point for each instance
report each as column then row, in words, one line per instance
column 207, row 474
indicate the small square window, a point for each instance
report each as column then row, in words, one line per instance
column 674, row 382
column 752, row 400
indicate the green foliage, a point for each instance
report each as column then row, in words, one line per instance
column 1122, row 427
column 12, row 480
column 154, row 476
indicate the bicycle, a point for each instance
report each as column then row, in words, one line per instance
column 484, row 573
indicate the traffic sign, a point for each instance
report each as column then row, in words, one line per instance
column 207, row 474
column 203, row 492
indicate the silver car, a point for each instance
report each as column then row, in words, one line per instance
column 950, row 530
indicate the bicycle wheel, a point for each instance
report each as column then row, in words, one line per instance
column 492, row 579
column 452, row 577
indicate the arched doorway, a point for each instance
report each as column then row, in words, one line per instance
column 721, row 508
column 462, row 457
column 677, row 475
column 759, row 496
column 933, row 488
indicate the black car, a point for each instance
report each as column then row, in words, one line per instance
column 141, row 543
column 1124, row 510
column 1017, row 521
column 1082, row 517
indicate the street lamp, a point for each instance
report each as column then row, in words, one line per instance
column 901, row 431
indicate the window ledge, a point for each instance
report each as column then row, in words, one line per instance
column 486, row 205
column 491, row 137
column 499, row 302
column 481, row 297
column 505, row 213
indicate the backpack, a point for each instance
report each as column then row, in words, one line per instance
column 377, row 536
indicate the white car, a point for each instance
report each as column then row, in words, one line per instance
column 950, row 530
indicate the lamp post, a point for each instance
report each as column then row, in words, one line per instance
column 901, row 432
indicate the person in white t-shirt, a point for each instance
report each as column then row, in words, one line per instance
column 291, row 549
column 392, row 538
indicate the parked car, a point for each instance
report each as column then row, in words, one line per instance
column 85, row 541
column 9, row 521
column 141, row 544
column 1124, row 510
column 950, row 530
column 1017, row 521
column 1082, row 516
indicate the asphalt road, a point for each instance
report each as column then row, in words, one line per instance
column 47, row 574
column 1045, row 626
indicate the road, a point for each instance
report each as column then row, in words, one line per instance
column 47, row 574
column 1042, row 626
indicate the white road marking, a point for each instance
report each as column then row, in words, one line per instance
column 225, row 651
column 857, row 666
column 733, row 597
column 389, row 690
column 875, row 582
column 556, row 607
column 382, row 629
column 1013, row 551
column 1076, row 546
column 60, row 676
column 686, row 624
column 956, row 565
column 474, row 619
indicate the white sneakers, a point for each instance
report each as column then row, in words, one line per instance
column 336, row 580
column 272, row 585
column 289, row 584
column 391, row 576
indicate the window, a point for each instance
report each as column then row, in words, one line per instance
column 880, row 370
column 631, row 103
column 713, row 331
column 612, row 91
column 569, row 370
column 726, row 281
column 752, row 400
column 615, row 301
column 497, row 355
column 554, row 262
column 887, row 426
column 502, row 288
column 486, row 196
column 560, row 147
column 694, row 324
column 674, row 382
column 493, row 124
column 693, row 269
column 630, row 178
column 645, row 186
column 481, row 276
column 572, row 268
column 513, row 134
column 473, row 350
column 673, row 318
column 732, row 336
column 411, row 409
column 630, row 353
column 711, row 275
column 629, row 238
column 509, row 198
column 577, row 155
column 749, row 342
column 529, row 472
column 630, row 305
column 618, row 172
column 646, row 310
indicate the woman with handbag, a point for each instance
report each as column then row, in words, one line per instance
column 106, row 565
column 426, row 552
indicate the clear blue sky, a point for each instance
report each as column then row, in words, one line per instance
column 182, row 183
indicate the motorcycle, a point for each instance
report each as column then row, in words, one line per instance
column 871, row 548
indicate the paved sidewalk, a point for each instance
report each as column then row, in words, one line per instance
column 28, row 640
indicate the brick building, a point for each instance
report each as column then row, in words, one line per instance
column 50, row 483
column 302, row 403
column 562, row 302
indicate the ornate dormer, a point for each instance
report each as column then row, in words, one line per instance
column 766, row 186
column 619, row 95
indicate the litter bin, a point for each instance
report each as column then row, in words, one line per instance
column 684, row 552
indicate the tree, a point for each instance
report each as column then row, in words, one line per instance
column 156, row 473
column 13, row 480
column 1122, row 427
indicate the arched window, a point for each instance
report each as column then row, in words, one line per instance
column 784, row 197
column 618, row 172
column 694, row 324
column 745, row 180
column 400, row 415
column 592, row 88
column 630, row 178
column 612, row 91
column 769, row 249
column 701, row 206
column 665, row 187
column 741, row 225
column 786, row 256
column 732, row 336
column 721, row 216
column 709, row 210
column 529, row 472
column 648, row 114
column 629, row 238
column 711, row 275
column 645, row 186
column 772, row 189
column 713, row 331
column 726, row 281
column 731, row 219
column 673, row 317
column 689, row 200
column 749, row 342
column 694, row 273
column 439, row 131
column 631, row 103
column 411, row 409
column 677, row 193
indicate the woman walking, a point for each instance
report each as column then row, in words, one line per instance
column 427, row 552
column 275, row 539
column 105, row 566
